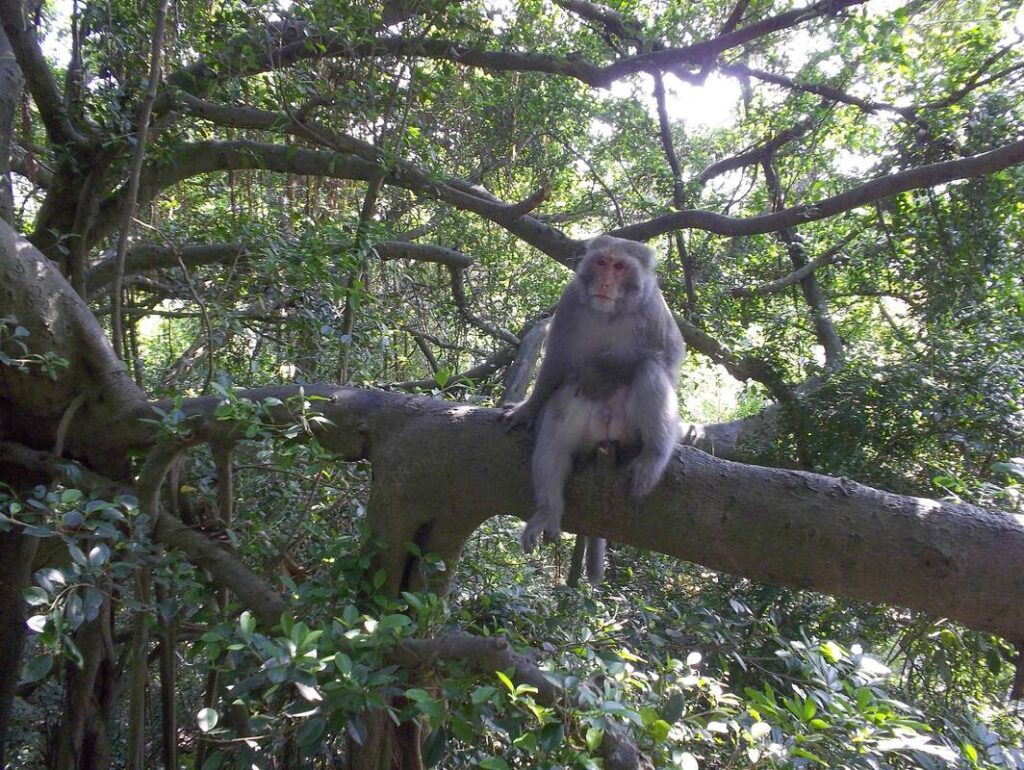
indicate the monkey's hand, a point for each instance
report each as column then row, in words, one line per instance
column 521, row 414
column 540, row 523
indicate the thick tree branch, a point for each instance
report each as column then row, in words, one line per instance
column 422, row 252
column 213, row 156
column 206, row 157
column 144, row 257
column 785, row 527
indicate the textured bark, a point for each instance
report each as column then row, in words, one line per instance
column 780, row 526
column 94, row 380
column 10, row 95
column 16, row 554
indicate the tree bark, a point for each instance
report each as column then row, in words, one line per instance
column 10, row 96
column 16, row 554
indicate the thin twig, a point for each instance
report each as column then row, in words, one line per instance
column 135, row 173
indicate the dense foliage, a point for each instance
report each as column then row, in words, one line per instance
column 899, row 361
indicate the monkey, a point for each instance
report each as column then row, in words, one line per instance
column 608, row 378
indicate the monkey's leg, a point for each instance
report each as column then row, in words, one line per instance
column 652, row 408
column 561, row 427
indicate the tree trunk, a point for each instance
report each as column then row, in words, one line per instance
column 16, row 554
column 11, row 83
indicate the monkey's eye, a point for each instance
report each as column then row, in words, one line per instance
column 619, row 266
column 601, row 262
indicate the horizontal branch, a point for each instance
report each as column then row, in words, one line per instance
column 212, row 156
column 912, row 179
column 144, row 257
column 785, row 527
column 422, row 252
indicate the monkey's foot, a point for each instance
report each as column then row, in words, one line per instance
column 537, row 526
column 518, row 415
column 642, row 478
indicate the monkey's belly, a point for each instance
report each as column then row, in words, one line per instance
column 607, row 422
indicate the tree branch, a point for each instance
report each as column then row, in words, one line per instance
column 829, row 257
column 912, row 179
column 197, row 77
column 38, row 76
column 145, row 257
column 462, row 303
column 757, row 153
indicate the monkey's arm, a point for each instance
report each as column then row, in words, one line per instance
column 666, row 338
column 556, row 367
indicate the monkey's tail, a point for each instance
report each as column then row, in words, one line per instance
column 596, row 547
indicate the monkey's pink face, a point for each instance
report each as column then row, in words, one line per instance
column 609, row 278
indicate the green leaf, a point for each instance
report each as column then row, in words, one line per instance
column 659, row 730
column 482, row 694
column 71, row 496
column 356, row 729
column 308, row 692
column 214, row 761
column 247, row 623
column 37, row 667
column 493, row 763
column 207, row 719
column 551, row 736
column 98, row 555
column 804, row 754
column 505, row 681
column 395, row 621
column 35, row 596
column 310, row 733
column 1010, row 469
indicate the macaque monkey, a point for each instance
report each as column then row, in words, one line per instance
column 608, row 377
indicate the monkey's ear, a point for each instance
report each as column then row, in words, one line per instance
column 646, row 255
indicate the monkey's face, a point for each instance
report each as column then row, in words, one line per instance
column 612, row 281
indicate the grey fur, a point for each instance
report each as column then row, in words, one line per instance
column 623, row 361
